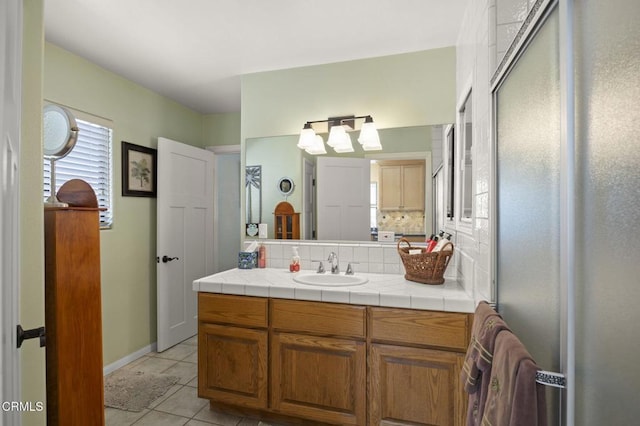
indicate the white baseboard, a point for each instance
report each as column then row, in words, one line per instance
column 129, row 358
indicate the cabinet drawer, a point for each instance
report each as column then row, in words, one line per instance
column 442, row 329
column 238, row 310
column 318, row 318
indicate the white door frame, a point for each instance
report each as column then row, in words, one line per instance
column 308, row 199
column 10, row 96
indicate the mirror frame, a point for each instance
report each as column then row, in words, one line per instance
column 286, row 180
column 59, row 148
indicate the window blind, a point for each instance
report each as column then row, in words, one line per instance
column 90, row 160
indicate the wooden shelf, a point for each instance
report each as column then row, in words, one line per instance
column 287, row 222
column 73, row 319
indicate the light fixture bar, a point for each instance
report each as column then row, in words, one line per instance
column 343, row 118
column 339, row 139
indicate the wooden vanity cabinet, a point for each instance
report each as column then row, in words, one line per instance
column 232, row 349
column 415, row 362
column 319, row 361
column 332, row 363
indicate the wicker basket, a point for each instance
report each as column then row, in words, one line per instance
column 424, row 267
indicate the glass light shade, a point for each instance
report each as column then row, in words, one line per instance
column 339, row 139
column 317, row 147
column 369, row 138
column 336, row 136
column 307, row 136
column 345, row 145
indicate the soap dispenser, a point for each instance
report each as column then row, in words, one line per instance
column 262, row 256
column 295, row 260
column 441, row 243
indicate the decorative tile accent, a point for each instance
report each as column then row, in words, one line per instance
column 401, row 222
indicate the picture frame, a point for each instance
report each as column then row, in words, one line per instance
column 139, row 171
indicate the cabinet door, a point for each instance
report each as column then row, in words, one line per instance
column 232, row 365
column 413, row 187
column 390, row 187
column 319, row 378
column 413, row 386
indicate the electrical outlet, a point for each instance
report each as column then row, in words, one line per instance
column 262, row 230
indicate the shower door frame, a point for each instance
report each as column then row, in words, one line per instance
column 539, row 13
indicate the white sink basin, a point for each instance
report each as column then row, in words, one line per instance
column 330, row 280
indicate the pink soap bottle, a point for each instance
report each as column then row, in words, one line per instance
column 262, row 256
column 431, row 242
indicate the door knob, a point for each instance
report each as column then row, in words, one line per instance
column 166, row 259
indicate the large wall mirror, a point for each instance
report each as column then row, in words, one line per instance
column 360, row 196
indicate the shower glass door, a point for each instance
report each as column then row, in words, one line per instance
column 527, row 105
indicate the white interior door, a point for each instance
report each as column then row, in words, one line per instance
column 343, row 198
column 10, row 54
column 184, row 236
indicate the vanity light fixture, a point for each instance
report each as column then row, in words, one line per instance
column 339, row 139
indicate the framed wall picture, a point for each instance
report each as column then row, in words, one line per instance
column 139, row 171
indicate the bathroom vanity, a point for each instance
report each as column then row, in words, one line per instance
column 386, row 352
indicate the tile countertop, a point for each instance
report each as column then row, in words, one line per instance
column 389, row 290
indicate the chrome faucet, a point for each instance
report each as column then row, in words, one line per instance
column 320, row 266
column 349, row 270
column 333, row 259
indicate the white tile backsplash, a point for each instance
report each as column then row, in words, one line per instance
column 375, row 255
column 361, row 254
column 365, row 257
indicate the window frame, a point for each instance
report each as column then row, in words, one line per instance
column 450, row 169
column 464, row 129
column 86, row 119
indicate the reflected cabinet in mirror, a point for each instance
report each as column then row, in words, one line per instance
column 358, row 196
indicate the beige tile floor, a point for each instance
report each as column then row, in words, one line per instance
column 180, row 405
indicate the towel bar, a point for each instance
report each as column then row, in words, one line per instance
column 549, row 378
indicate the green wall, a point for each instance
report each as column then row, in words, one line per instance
column 405, row 90
column 279, row 158
column 411, row 89
column 128, row 252
column 221, row 129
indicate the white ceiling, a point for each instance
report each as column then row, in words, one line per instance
column 194, row 51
